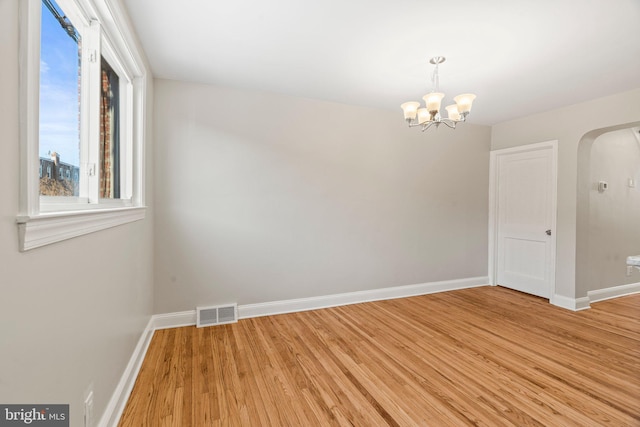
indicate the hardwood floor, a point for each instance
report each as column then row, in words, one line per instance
column 483, row 356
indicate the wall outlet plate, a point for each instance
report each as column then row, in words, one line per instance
column 602, row 186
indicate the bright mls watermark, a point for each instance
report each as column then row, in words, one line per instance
column 34, row 415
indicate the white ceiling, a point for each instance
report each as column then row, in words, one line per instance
column 519, row 56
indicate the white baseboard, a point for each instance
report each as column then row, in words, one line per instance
column 187, row 318
column 118, row 401
column 174, row 320
column 573, row 304
column 613, row 292
column 115, row 407
column 335, row 300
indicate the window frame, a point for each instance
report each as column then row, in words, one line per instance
column 44, row 220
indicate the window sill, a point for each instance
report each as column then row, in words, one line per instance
column 47, row 228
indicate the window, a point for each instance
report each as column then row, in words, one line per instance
column 83, row 116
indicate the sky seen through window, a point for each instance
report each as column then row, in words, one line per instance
column 59, row 96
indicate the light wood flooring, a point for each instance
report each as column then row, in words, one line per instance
column 483, row 356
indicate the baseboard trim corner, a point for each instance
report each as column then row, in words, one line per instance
column 583, row 303
column 573, row 304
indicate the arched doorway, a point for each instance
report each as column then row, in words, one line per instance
column 607, row 224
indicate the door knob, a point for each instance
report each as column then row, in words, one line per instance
column 548, row 232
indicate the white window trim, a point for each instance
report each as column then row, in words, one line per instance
column 38, row 227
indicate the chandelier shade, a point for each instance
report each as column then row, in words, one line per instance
column 430, row 114
column 464, row 102
column 423, row 115
column 453, row 113
column 410, row 110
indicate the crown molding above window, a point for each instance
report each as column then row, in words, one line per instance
column 43, row 229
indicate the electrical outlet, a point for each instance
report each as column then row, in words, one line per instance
column 88, row 409
column 629, row 270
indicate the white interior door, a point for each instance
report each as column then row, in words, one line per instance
column 524, row 217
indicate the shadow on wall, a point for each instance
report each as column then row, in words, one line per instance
column 607, row 219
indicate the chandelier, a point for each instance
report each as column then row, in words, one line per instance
column 430, row 115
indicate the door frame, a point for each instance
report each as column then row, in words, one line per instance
column 493, row 207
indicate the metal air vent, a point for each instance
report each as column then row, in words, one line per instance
column 217, row 315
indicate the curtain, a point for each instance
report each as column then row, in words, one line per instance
column 109, row 134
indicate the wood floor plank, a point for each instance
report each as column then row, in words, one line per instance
column 485, row 356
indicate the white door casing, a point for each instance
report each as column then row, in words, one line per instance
column 522, row 228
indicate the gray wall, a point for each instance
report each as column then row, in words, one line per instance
column 263, row 197
column 614, row 229
column 71, row 313
column 569, row 126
